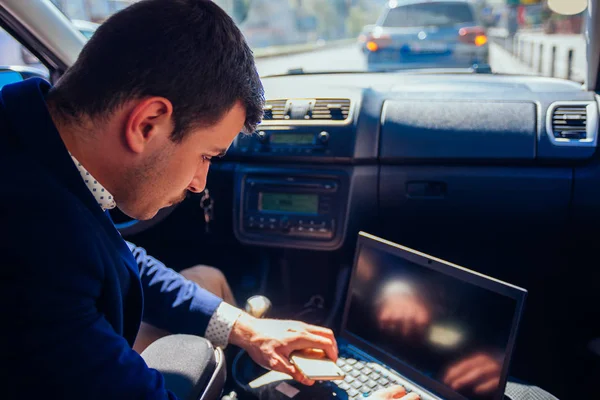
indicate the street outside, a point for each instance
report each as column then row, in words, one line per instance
column 350, row 58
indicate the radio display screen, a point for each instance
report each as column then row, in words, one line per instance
column 292, row 138
column 289, row 202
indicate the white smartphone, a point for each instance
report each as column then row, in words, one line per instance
column 316, row 366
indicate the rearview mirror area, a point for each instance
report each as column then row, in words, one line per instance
column 568, row 7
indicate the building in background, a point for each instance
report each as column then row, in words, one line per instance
column 270, row 23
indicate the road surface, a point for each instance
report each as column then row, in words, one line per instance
column 350, row 58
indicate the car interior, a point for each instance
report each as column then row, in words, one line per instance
column 497, row 173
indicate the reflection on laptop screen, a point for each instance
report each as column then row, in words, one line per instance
column 450, row 330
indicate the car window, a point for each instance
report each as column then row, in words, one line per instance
column 523, row 37
column 429, row 14
column 87, row 34
column 12, row 53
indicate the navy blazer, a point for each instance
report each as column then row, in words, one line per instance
column 70, row 290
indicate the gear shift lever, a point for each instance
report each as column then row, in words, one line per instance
column 258, row 306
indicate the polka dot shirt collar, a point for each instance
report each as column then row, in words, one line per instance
column 103, row 197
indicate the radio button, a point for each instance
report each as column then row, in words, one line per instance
column 324, row 137
column 262, row 136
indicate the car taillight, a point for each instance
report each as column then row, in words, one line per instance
column 473, row 35
column 377, row 42
column 372, row 46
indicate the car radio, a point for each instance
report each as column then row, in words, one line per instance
column 291, row 207
column 295, row 141
column 277, row 141
column 282, row 139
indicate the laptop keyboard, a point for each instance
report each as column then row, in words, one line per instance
column 365, row 377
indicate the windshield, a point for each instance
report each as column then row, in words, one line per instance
column 304, row 36
column 429, row 14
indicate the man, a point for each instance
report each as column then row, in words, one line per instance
column 160, row 89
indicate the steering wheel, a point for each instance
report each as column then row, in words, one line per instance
column 129, row 226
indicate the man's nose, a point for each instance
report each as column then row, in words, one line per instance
column 198, row 183
column 196, row 186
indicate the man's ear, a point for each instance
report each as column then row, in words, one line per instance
column 148, row 120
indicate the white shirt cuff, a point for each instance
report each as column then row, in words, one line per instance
column 220, row 324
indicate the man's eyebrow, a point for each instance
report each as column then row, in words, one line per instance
column 220, row 152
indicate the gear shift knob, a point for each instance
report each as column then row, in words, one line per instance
column 258, row 306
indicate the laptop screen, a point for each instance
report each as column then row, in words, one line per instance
column 445, row 327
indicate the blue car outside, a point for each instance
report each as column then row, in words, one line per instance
column 427, row 34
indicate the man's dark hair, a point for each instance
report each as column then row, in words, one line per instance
column 188, row 51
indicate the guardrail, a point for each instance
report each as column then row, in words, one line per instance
column 554, row 55
column 279, row 51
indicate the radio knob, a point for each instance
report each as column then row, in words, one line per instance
column 262, row 136
column 324, row 137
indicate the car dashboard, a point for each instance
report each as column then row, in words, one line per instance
column 414, row 156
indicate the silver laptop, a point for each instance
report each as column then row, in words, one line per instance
column 436, row 328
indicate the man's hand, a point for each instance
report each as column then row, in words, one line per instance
column 403, row 313
column 393, row 392
column 480, row 372
column 270, row 342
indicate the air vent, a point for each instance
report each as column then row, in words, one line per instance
column 333, row 109
column 570, row 122
column 275, row 109
column 573, row 123
column 309, row 111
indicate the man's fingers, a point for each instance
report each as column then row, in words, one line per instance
column 455, row 372
column 411, row 396
column 393, row 392
column 422, row 318
column 475, row 375
column 311, row 341
column 326, row 333
column 408, row 321
column 384, row 314
column 487, row 386
column 319, row 330
column 460, row 369
column 282, row 365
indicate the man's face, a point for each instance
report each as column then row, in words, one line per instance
column 166, row 170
